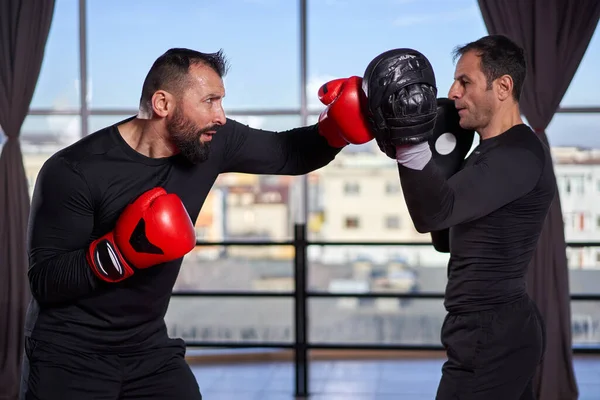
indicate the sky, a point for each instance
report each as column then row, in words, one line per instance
column 261, row 41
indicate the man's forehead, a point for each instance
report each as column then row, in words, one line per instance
column 207, row 78
column 468, row 64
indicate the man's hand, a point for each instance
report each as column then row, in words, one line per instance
column 343, row 122
column 448, row 146
column 154, row 229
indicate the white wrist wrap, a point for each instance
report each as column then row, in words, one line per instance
column 414, row 156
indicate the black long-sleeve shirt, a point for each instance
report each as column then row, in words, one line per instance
column 494, row 209
column 79, row 195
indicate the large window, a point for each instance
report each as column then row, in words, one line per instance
column 356, row 198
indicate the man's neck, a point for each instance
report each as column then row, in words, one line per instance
column 147, row 137
column 502, row 121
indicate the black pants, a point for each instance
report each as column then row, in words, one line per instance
column 492, row 354
column 53, row 372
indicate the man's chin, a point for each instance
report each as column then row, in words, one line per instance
column 465, row 124
column 198, row 155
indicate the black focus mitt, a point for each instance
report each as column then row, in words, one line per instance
column 401, row 93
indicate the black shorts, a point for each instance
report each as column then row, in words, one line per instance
column 492, row 354
column 52, row 372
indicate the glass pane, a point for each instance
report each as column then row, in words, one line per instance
column 575, row 152
column 238, row 268
column 584, row 269
column 581, row 91
column 574, row 130
column 350, row 320
column 217, row 319
column 377, row 269
column 260, row 39
column 391, row 24
column 339, row 195
column 585, row 323
column 58, row 84
column 42, row 136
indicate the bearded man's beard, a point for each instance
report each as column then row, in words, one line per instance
column 186, row 136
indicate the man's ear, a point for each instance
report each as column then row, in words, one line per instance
column 504, row 87
column 162, row 103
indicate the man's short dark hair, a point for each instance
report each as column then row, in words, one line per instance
column 170, row 71
column 499, row 56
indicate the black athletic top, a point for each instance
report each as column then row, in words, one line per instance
column 494, row 207
column 79, row 195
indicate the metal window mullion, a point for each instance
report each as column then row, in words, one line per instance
column 83, row 89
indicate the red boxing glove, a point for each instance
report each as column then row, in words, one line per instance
column 154, row 229
column 343, row 122
column 328, row 93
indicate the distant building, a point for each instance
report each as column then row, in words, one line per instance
column 578, row 179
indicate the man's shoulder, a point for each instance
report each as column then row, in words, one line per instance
column 85, row 149
column 523, row 144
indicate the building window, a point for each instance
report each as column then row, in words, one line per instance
column 575, row 184
column 351, row 188
column 392, row 187
column 351, row 222
column 392, row 222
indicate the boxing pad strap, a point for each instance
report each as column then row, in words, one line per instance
column 411, row 134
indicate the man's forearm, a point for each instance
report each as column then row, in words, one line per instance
column 62, row 278
column 296, row 151
column 307, row 151
column 427, row 195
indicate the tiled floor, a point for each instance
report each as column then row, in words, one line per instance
column 410, row 379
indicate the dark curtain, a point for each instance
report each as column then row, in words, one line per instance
column 555, row 35
column 24, row 28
